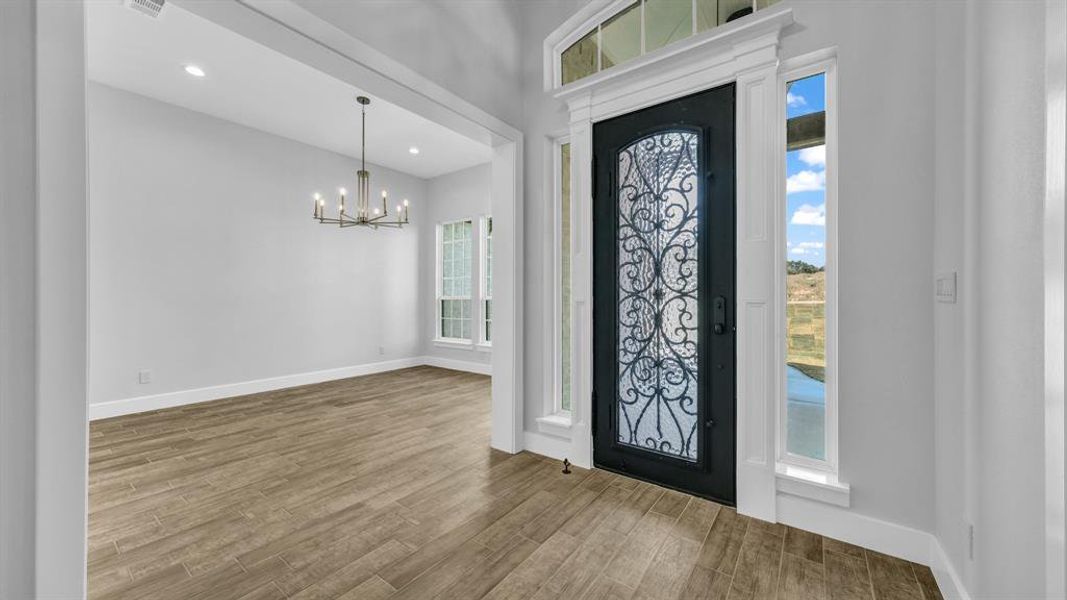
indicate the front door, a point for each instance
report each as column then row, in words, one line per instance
column 663, row 294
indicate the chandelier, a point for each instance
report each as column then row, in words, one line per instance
column 365, row 215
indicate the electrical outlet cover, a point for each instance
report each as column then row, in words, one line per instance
column 946, row 288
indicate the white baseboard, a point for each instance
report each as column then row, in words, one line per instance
column 848, row 526
column 881, row 536
column 831, row 521
column 458, row 365
column 127, row 406
column 546, row 445
column 948, row 579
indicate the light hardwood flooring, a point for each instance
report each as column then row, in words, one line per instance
column 384, row 487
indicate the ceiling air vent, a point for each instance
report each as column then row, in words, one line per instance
column 151, row 8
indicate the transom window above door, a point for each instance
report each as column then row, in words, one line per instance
column 633, row 28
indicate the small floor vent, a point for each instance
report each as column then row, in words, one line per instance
column 151, row 8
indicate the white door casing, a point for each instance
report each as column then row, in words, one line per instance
column 745, row 53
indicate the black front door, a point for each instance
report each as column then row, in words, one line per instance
column 663, row 294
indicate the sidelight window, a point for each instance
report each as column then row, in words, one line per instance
column 487, row 280
column 564, row 236
column 454, row 281
column 809, row 421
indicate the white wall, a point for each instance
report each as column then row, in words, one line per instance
column 953, row 137
column 470, row 48
column 886, row 189
column 42, row 300
column 460, row 195
column 62, row 194
column 18, row 192
column 207, row 268
column 988, row 347
column 1010, row 193
column 542, row 119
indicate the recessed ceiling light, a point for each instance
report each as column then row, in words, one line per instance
column 194, row 70
column 413, row 150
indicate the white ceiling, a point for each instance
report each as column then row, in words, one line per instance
column 255, row 86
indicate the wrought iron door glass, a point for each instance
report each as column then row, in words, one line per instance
column 657, row 237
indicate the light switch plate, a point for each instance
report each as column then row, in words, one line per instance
column 946, row 288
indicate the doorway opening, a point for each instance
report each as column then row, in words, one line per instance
column 246, row 151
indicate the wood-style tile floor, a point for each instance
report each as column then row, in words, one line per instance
column 384, row 487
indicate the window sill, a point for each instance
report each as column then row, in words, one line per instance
column 484, row 346
column 453, row 343
column 812, row 484
column 558, row 425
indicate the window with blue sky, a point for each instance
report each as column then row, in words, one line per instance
column 806, row 267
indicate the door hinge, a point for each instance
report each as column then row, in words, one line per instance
column 594, row 412
column 593, row 167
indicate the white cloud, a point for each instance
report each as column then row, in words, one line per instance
column 805, row 181
column 795, row 99
column 807, row 248
column 806, row 214
column 814, row 156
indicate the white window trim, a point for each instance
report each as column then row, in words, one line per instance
column 812, row 484
column 593, row 15
column 438, row 339
column 483, row 269
column 555, row 420
column 800, row 475
column 454, row 343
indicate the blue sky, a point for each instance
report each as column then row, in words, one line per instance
column 806, row 179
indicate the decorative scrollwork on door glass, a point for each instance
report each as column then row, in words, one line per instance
column 657, row 279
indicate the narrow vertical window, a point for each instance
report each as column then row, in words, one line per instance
column 565, row 275
column 454, row 286
column 487, row 280
column 808, row 426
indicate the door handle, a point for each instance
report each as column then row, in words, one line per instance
column 718, row 315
